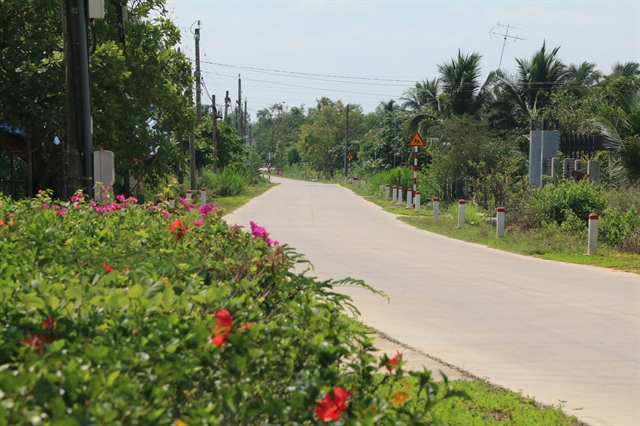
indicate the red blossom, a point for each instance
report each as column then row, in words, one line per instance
column 222, row 328
column 107, row 267
column 37, row 341
column 177, row 227
column 330, row 407
column 49, row 323
column 393, row 362
column 223, row 317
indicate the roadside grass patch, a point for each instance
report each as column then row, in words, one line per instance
column 231, row 203
column 552, row 242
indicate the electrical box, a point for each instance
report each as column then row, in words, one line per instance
column 96, row 9
column 104, row 171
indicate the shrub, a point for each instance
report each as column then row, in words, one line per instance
column 552, row 203
column 400, row 176
column 616, row 227
column 120, row 313
column 226, row 183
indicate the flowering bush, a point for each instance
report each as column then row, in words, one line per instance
column 117, row 313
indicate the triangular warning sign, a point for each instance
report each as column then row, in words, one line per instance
column 416, row 140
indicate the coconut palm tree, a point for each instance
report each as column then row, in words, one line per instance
column 423, row 94
column 621, row 130
column 389, row 107
column 580, row 78
column 628, row 69
column 460, row 80
column 535, row 81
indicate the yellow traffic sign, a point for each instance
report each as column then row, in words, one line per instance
column 416, row 140
column 350, row 156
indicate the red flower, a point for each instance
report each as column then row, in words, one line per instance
column 329, row 408
column 49, row 323
column 223, row 327
column 223, row 317
column 393, row 362
column 177, row 227
column 37, row 341
column 107, row 267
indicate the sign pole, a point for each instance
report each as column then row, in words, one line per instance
column 416, row 141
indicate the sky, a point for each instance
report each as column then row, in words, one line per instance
column 365, row 52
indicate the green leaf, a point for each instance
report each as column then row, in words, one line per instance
column 112, row 377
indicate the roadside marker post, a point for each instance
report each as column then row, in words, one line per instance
column 409, row 198
column 386, row 194
column 461, row 205
column 380, row 187
column 593, row 234
column 394, row 194
column 436, row 208
column 416, row 201
column 416, row 142
column 188, row 194
column 172, row 203
column 203, row 196
column 399, row 195
column 500, row 222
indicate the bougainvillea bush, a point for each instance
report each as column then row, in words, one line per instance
column 123, row 314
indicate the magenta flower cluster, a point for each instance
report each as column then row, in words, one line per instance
column 204, row 211
column 260, row 232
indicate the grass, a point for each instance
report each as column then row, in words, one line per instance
column 229, row 204
column 488, row 405
column 550, row 244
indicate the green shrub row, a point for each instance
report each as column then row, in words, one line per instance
column 123, row 314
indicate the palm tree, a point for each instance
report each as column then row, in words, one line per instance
column 423, row 94
column 580, row 78
column 461, row 85
column 622, row 136
column 536, row 79
column 629, row 69
column 388, row 107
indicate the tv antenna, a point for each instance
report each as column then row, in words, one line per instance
column 501, row 33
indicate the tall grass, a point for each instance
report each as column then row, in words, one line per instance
column 227, row 183
column 400, row 176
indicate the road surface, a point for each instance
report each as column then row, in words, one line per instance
column 558, row 332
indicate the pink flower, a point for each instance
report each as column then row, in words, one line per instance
column 77, row 197
column 199, row 222
column 167, row 215
column 120, row 198
column 12, row 215
column 62, row 212
column 133, row 200
column 56, row 208
column 115, row 206
column 206, row 208
column 185, row 203
column 152, row 207
column 92, row 203
column 260, row 232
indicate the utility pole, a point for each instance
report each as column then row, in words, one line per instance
column 197, row 76
column 346, row 144
column 244, row 120
column 239, row 108
column 79, row 145
column 395, row 141
column 214, row 133
column 227, row 102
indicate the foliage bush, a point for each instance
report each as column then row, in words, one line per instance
column 227, row 183
column 553, row 202
column 400, row 176
column 615, row 227
column 120, row 314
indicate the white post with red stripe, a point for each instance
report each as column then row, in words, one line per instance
column 188, row 194
column 409, row 198
column 386, row 193
column 593, row 234
column 203, row 196
column 380, row 187
column 399, row 195
column 416, row 200
column 394, row 195
column 461, row 205
column 172, row 202
column 436, row 208
column 500, row 222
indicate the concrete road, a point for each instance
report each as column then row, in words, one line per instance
column 558, row 332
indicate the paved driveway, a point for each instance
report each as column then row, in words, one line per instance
column 556, row 331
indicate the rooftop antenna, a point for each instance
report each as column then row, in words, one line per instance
column 501, row 33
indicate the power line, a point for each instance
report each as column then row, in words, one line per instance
column 310, row 74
